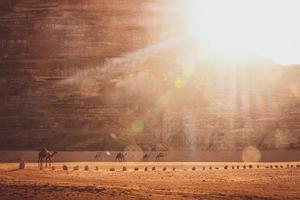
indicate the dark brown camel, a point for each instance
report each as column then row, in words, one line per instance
column 120, row 157
column 146, row 157
column 47, row 155
column 98, row 156
column 159, row 156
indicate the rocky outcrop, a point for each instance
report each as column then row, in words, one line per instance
column 78, row 74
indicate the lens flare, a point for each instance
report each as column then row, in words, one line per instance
column 251, row 154
column 137, row 126
column 179, row 84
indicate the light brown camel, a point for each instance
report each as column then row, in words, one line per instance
column 47, row 155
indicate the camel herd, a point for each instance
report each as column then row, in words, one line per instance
column 46, row 155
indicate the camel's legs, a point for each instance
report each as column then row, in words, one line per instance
column 41, row 163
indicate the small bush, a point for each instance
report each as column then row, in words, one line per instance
column 257, row 166
column 266, row 167
column 271, row 166
column 210, row 168
column 76, row 168
column 250, row 166
column 193, row 168
column 238, row 167
column 216, row 167
column 292, row 166
column 22, row 165
column 225, row 167
column 112, row 169
column 124, row 169
column 203, row 168
column 281, row 166
column 287, row 166
column 298, row 165
column 174, row 168
column 232, row 167
column 53, row 168
column 146, row 169
column 244, row 167
column 164, row 169
column 65, row 167
column 97, row 168
column 276, row 166
column 153, row 168
column 86, row 168
column 136, row 169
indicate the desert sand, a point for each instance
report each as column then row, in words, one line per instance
column 205, row 181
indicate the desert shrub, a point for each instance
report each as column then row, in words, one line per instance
column 174, row 168
column 164, row 169
column 203, row 168
column 53, row 167
column 146, row 169
column 257, row 166
column 22, row 165
column 97, row 168
column 210, row 167
column 112, row 169
column 193, row 168
column 76, row 168
column 292, row 166
column 238, row 167
column 287, row 166
column 124, row 169
column 232, row 167
column 276, row 166
column 250, row 166
column 267, row 167
column 271, row 166
column 298, row 165
column 281, row 166
column 225, row 167
column 216, row 167
column 244, row 167
column 86, row 168
column 65, row 167
column 136, row 169
column 153, row 168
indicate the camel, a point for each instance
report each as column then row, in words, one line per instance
column 47, row 155
column 146, row 157
column 120, row 156
column 97, row 156
column 159, row 156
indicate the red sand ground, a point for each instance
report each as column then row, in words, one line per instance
column 183, row 183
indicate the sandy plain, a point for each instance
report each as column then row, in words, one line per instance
column 169, row 180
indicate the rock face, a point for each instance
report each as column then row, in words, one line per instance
column 78, row 75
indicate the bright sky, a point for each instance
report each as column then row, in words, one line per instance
column 269, row 28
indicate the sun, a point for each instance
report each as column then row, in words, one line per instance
column 268, row 28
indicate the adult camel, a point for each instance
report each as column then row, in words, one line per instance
column 120, row 157
column 146, row 157
column 159, row 156
column 47, row 155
